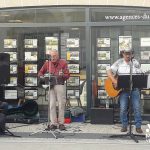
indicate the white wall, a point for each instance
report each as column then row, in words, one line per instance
column 22, row 3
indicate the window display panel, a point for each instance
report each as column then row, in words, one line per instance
column 145, row 68
column 30, row 68
column 73, row 94
column 103, row 42
column 51, row 43
column 73, row 81
column 101, row 68
column 73, row 68
column 30, row 56
column 13, row 69
column 145, row 55
column 72, row 55
column 30, row 81
column 13, row 56
column 10, row 43
column 13, row 81
column 145, row 94
column 31, row 94
column 10, row 94
column 72, row 42
column 125, row 43
column 30, row 43
column 103, row 55
column 145, row 42
column 102, row 94
column 101, row 81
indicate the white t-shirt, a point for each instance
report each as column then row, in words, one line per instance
column 122, row 67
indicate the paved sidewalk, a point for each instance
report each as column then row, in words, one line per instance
column 67, row 144
column 75, row 131
column 78, row 136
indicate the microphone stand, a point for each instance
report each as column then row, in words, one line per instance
column 130, row 134
column 49, row 89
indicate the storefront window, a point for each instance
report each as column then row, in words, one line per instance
column 46, row 15
column 73, row 50
column 29, row 42
column 28, row 48
column 106, row 42
column 52, row 15
column 17, row 16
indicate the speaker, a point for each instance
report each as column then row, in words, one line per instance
column 4, row 68
column 102, row 116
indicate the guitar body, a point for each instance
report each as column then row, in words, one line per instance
column 111, row 91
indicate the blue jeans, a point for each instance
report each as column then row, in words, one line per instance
column 135, row 101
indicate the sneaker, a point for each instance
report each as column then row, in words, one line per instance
column 124, row 129
column 52, row 127
column 62, row 127
column 139, row 130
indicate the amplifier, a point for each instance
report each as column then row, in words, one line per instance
column 102, row 116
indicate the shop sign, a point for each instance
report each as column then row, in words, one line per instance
column 143, row 17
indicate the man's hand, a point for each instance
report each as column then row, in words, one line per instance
column 41, row 80
column 115, row 83
column 61, row 72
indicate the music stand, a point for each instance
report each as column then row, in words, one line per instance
column 124, row 81
column 131, row 81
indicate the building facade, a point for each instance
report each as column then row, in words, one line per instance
column 88, row 37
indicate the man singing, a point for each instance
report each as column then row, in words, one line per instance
column 59, row 69
column 122, row 66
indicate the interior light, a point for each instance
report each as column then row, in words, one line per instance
column 15, row 21
column 4, row 15
column 74, row 28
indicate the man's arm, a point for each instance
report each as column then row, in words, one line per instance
column 66, row 73
column 111, row 76
column 43, row 70
column 113, row 71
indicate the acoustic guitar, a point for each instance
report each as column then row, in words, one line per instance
column 110, row 89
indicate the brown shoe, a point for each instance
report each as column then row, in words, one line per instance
column 52, row 127
column 62, row 127
column 139, row 130
column 123, row 129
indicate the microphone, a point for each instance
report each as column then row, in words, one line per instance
column 132, row 58
column 48, row 57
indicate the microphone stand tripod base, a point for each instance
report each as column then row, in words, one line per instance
column 131, row 135
column 46, row 130
column 7, row 132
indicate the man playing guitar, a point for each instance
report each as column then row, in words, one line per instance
column 122, row 66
